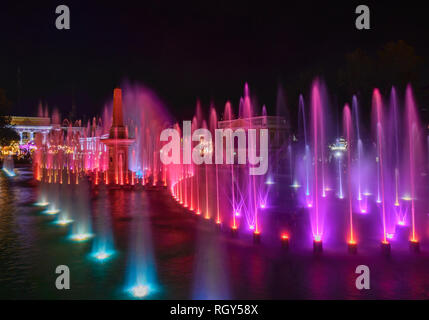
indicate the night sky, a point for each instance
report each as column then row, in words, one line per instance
column 185, row 50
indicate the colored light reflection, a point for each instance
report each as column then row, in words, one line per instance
column 9, row 173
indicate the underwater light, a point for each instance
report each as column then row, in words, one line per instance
column 102, row 255
column 63, row 222
column 317, row 244
column 140, row 291
column 41, row 204
column 51, row 211
column 352, row 246
column 285, row 240
column 80, row 237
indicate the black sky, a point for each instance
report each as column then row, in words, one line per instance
column 184, row 50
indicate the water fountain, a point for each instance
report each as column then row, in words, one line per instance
column 324, row 171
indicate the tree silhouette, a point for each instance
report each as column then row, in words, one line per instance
column 7, row 133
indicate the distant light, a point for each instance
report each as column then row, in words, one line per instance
column 352, row 242
column 237, row 213
column 338, row 154
column 269, row 181
column 285, row 236
column 366, row 194
column 140, row 291
column 251, row 227
column 80, row 237
column 390, row 235
column 401, row 222
column 317, row 238
column 310, row 205
column 396, row 204
column 363, row 211
column 262, row 205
